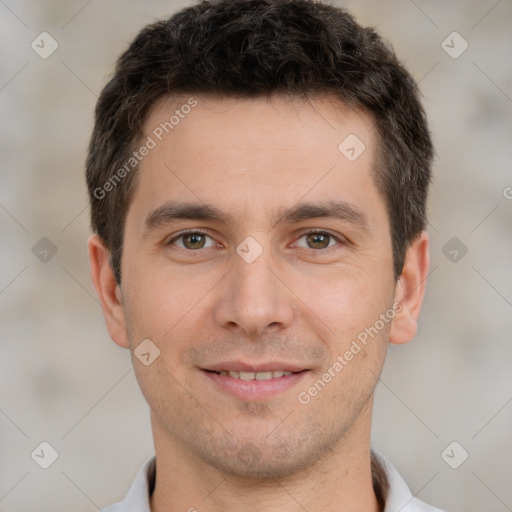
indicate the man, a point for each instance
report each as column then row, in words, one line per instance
column 258, row 175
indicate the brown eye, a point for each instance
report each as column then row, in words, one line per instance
column 194, row 241
column 318, row 240
column 191, row 240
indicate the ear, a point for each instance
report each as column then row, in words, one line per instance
column 410, row 289
column 107, row 290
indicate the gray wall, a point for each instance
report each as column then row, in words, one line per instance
column 63, row 381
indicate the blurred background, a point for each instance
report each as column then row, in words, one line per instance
column 443, row 410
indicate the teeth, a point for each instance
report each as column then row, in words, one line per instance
column 245, row 375
column 255, row 375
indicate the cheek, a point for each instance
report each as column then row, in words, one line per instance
column 357, row 337
column 160, row 302
column 345, row 301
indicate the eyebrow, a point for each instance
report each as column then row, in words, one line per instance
column 175, row 210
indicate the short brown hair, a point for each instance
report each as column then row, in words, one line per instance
column 252, row 48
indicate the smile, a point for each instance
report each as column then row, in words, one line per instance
column 247, row 385
column 254, row 375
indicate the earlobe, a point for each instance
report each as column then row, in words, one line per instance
column 108, row 291
column 410, row 290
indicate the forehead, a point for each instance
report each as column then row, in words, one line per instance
column 280, row 121
column 255, row 155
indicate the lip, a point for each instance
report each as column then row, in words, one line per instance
column 240, row 366
column 254, row 389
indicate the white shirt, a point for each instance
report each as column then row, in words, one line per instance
column 398, row 497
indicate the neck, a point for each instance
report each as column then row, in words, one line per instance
column 342, row 480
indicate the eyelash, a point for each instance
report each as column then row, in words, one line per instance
column 201, row 232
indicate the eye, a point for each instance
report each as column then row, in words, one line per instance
column 319, row 240
column 197, row 239
column 191, row 240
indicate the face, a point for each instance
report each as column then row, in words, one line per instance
column 253, row 243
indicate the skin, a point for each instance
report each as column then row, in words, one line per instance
column 303, row 300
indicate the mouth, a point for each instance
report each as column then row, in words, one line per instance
column 253, row 385
column 264, row 375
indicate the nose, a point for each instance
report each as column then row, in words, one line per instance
column 253, row 297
